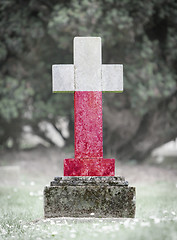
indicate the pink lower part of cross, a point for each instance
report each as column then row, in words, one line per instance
column 89, row 167
column 88, row 128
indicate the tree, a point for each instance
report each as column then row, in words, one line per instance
column 141, row 35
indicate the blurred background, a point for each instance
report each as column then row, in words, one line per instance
column 37, row 126
column 141, row 35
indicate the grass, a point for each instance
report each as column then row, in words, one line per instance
column 21, row 216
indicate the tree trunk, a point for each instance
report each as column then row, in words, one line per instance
column 70, row 141
column 135, row 137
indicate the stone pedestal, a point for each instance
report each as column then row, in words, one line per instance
column 89, row 197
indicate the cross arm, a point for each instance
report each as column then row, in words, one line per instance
column 112, row 78
column 63, row 76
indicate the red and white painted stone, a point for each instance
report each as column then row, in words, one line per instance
column 88, row 78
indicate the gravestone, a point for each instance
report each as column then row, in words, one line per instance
column 89, row 187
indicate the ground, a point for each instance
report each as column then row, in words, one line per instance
column 24, row 174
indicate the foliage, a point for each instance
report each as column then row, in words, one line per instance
column 35, row 34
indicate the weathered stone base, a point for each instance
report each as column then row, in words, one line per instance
column 89, row 197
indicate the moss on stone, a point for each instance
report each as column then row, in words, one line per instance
column 80, row 201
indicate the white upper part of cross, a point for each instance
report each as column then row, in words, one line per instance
column 87, row 73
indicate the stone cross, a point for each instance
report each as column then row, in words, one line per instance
column 87, row 78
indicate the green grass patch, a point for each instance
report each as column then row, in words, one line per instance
column 21, row 216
